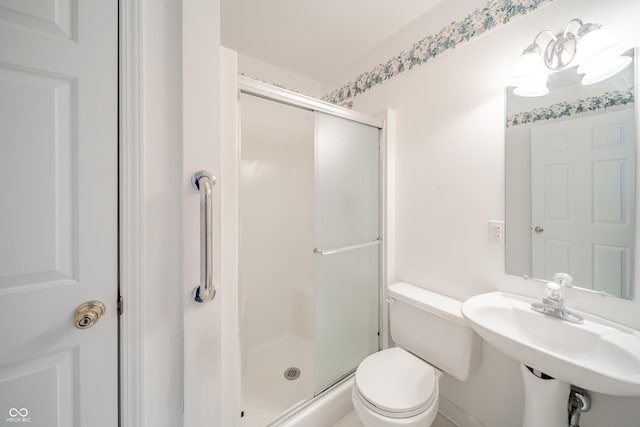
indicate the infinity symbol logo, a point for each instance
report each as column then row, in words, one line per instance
column 22, row 412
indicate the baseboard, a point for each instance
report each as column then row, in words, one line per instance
column 456, row 415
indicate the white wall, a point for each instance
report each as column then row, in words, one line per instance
column 200, row 146
column 161, row 296
column 450, row 181
column 178, row 60
column 272, row 74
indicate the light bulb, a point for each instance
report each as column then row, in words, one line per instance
column 597, row 46
column 529, row 74
column 603, row 71
column 528, row 68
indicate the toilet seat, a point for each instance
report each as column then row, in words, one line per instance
column 396, row 384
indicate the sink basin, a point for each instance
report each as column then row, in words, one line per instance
column 597, row 355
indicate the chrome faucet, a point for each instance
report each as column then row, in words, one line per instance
column 553, row 304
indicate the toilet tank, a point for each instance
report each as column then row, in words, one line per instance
column 431, row 326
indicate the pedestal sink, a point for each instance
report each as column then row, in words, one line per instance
column 597, row 355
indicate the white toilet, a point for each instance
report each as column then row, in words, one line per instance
column 399, row 386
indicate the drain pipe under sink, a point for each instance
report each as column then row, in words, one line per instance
column 579, row 402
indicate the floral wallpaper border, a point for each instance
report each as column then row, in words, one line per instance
column 478, row 22
column 568, row 109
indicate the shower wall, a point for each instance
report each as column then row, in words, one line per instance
column 276, row 217
column 257, row 69
column 276, row 175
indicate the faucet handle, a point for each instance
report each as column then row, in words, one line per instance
column 554, row 291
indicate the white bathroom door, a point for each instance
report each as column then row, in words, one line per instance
column 58, row 216
column 582, row 200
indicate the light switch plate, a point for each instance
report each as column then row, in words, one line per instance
column 496, row 231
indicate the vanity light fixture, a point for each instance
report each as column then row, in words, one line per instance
column 597, row 54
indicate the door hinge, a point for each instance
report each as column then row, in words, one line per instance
column 120, row 305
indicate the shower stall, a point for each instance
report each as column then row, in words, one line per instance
column 309, row 248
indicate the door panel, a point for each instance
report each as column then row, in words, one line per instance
column 56, row 18
column 583, row 198
column 39, row 112
column 58, row 222
column 52, row 377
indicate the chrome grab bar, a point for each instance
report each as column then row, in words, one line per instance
column 346, row 248
column 204, row 181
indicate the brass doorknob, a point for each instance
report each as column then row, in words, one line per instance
column 87, row 314
column 538, row 229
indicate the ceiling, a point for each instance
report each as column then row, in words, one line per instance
column 314, row 38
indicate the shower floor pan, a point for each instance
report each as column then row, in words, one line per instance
column 268, row 386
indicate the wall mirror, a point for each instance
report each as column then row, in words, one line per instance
column 571, row 182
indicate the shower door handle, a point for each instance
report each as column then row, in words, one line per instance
column 204, row 181
column 346, row 248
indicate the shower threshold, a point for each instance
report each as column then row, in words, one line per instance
column 334, row 400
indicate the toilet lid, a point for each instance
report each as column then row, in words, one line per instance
column 394, row 380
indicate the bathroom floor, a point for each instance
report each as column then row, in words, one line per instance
column 351, row 420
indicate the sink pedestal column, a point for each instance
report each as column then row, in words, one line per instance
column 545, row 401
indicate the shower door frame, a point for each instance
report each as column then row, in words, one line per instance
column 230, row 165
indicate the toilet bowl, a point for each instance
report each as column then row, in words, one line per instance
column 399, row 386
column 395, row 388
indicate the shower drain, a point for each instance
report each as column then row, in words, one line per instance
column 291, row 373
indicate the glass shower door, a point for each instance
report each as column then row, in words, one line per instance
column 347, row 246
column 307, row 316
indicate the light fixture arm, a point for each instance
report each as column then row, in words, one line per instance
column 566, row 28
column 600, row 57
column 561, row 50
column 553, row 36
column 535, row 46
